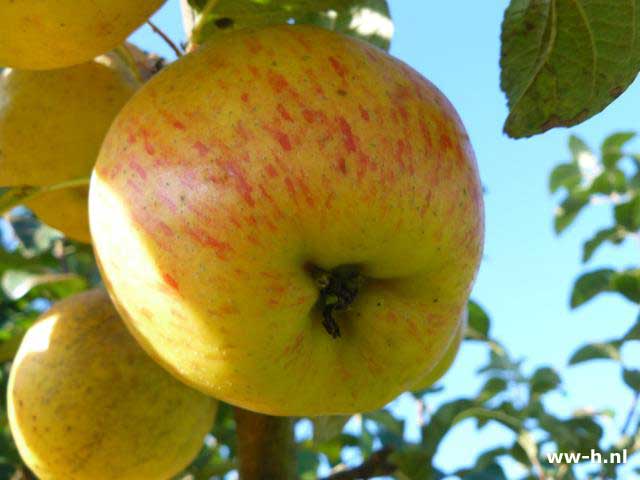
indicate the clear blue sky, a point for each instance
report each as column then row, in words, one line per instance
column 527, row 272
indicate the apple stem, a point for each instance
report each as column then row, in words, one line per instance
column 266, row 446
column 338, row 289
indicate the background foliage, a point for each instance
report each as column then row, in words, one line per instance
column 544, row 90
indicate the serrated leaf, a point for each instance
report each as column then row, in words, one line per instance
column 596, row 351
column 563, row 61
column 589, row 285
column 369, row 20
column 564, row 175
column 544, row 380
column 612, row 147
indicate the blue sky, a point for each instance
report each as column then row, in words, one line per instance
column 527, row 272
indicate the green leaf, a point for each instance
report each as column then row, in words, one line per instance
column 627, row 283
column 628, row 214
column 544, row 380
column 612, row 147
column 596, row 351
column 578, row 148
column 634, row 332
column 564, row 175
column 328, row 427
column 591, row 284
column 478, row 322
column 632, row 378
column 609, row 181
column 611, row 234
column 563, row 61
column 490, row 472
column 569, row 209
column 492, row 387
column 369, row 20
column 17, row 283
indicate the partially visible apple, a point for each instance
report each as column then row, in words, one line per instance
column 51, row 127
column 445, row 363
column 85, row 402
column 48, row 34
column 290, row 220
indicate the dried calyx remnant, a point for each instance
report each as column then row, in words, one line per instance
column 338, row 289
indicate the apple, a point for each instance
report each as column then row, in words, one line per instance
column 445, row 363
column 52, row 124
column 85, row 402
column 289, row 220
column 48, row 34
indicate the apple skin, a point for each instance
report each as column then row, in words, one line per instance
column 51, row 127
column 85, row 402
column 445, row 363
column 49, row 34
column 256, row 156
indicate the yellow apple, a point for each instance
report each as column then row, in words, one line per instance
column 48, row 34
column 52, row 124
column 444, row 364
column 290, row 220
column 85, row 402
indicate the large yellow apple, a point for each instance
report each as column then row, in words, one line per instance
column 85, row 402
column 290, row 220
column 48, row 34
column 51, row 127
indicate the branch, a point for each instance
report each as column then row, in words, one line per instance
column 166, row 38
column 376, row 465
column 632, row 411
column 266, row 447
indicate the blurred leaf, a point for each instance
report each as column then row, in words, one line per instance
column 17, row 283
column 634, row 332
column 632, row 378
column 327, row 427
column 589, row 285
column 478, row 322
column 569, row 209
column 415, row 463
column 545, row 89
column 492, row 471
column 369, row 20
column 609, row 181
column 492, row 387
column 596, row 351
column 628, row 214
column 612, row 147
column 628, row 284
column 612, row 234
column 578, row 148
column 565, row 175
column 544, row 380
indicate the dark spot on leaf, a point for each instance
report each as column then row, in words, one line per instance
column 615, row 92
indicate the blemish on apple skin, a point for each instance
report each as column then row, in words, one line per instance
column 278, row 82
column 348, row 136
column 284, row 113
column 364, row 114
column 201, row 148
column 203, row 238
column 271, row 170
column 281, row 137
column 139, row 169
column 169, row 280
column 342, row 165
column 338, row 67
column 244, row 97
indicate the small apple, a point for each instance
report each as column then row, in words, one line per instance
column 290, row 220
column 52, row 124
column 85, row 402
column 48, row 34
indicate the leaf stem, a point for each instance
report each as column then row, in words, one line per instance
column 166, row 38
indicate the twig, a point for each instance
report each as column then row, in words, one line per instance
column 166, row 38
column 376, row 465
column 208, row 8
column 632, row 411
